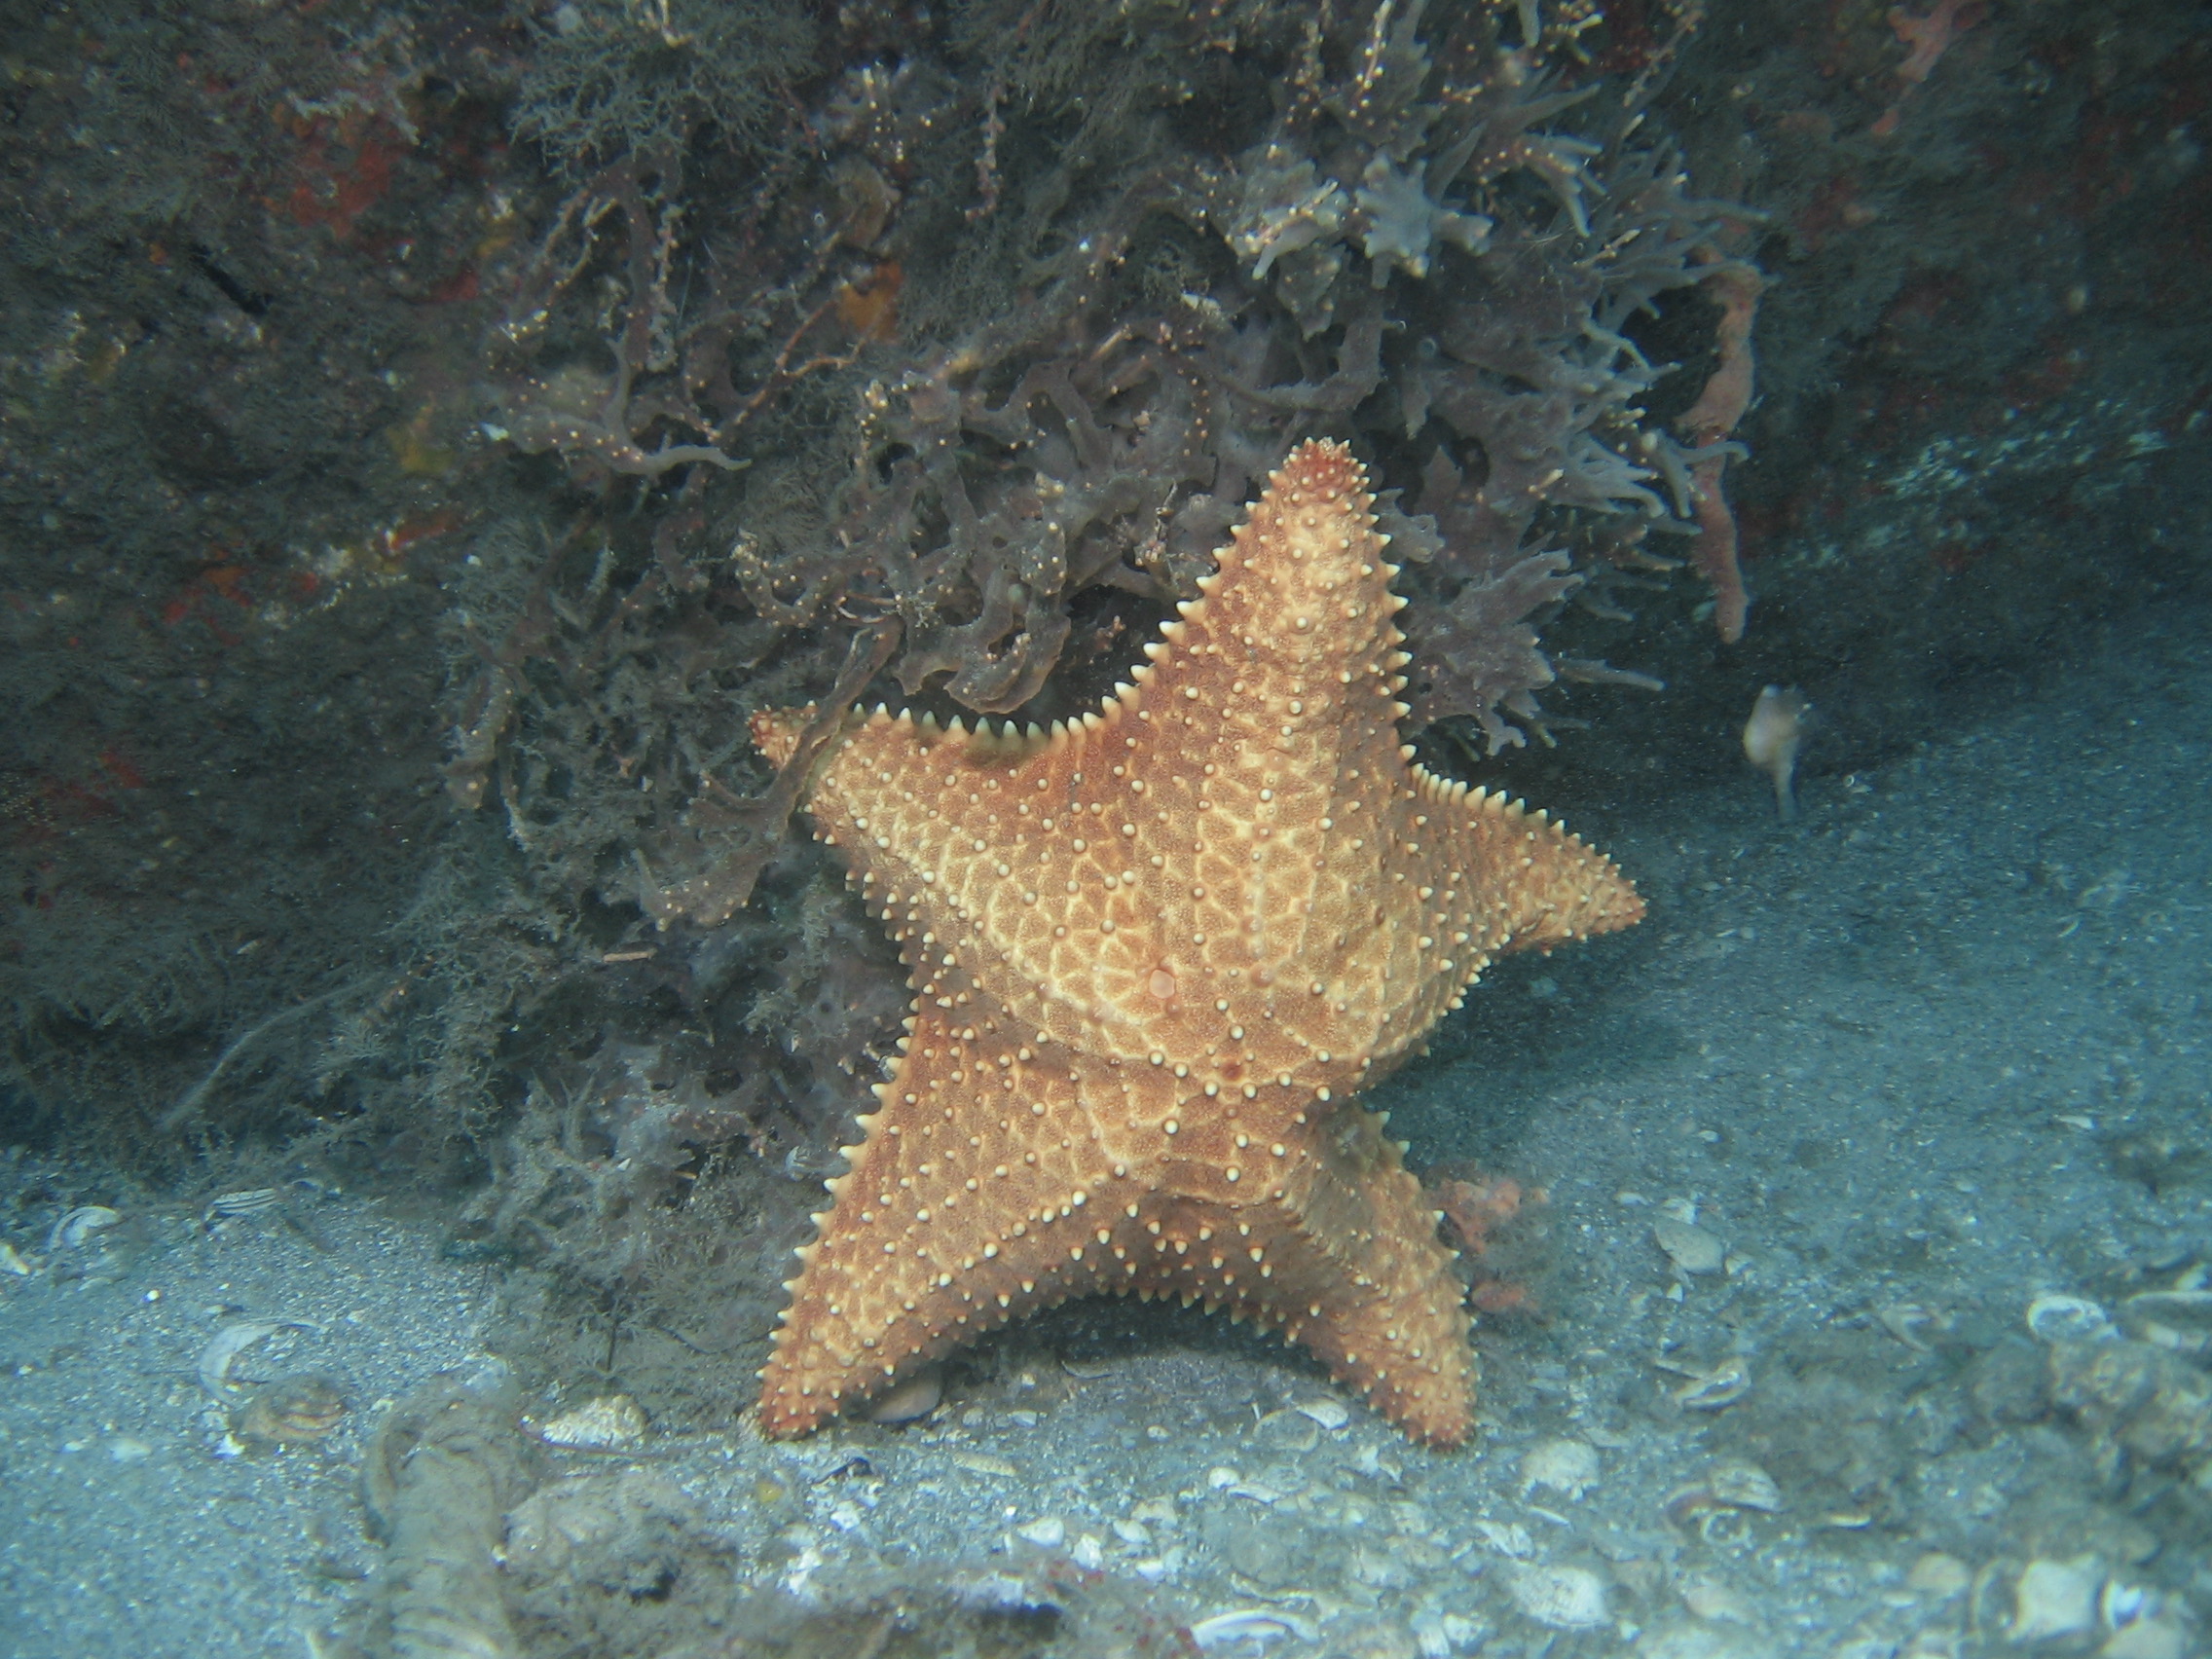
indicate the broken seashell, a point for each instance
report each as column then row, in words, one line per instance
column 79, row 1225
column 290, row 1412
column 1723, row 1488
column 604, row 1424
column 220, row 1354
column 2146, row 1401
column 1744, row 1486
column 2120, row 1603
column 1259, row 1492
column 1507, row 1538
column 1251, row 1624
column 2176, row 1319
column 1688, row 1246
column 1568, row 1467
column 2055, row 1319
column 1564, row 1598
column 1905, row 1321
column 1329, row 1414
column 911, row 1397
column 1721, row 1386
column 1716, row 1603
column 1290, row 1430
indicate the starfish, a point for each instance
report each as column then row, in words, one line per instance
column 1155, row 951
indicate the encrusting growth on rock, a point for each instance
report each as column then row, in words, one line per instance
column 1155, row 951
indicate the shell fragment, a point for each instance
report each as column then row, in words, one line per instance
column 221, row 1353
column 1564, row 1598
column 605, row 1425
column 1689, row 1246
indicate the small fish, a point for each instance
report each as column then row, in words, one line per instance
column 1772, row 736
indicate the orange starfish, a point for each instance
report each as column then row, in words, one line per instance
column 1155, row 951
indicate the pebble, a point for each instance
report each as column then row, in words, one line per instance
column 2055, row 1598
column 2157, row 1637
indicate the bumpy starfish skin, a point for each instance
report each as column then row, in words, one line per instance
column 1155, row 951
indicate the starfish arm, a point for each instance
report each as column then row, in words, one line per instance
column 936, row 1237
column 1370, row 1286
column 1545, row 886
column 1010, row 853
column 960, row 1210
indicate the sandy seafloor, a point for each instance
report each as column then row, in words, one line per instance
column 1937, row 1049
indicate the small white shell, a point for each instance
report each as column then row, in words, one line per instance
column 1251, row 1624
column 2056, row 1318
column 1328, row 1413
column 1568, row 1467
column 1688, row 1246
column 605, row 1425
column 1564, row 1598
